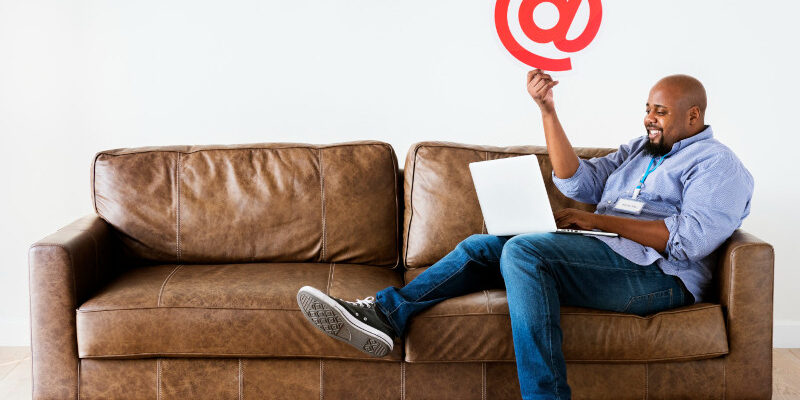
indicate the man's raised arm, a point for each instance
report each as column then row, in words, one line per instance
column 565, row 164
column 565, row 161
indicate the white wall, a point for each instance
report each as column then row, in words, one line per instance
column 81, row 76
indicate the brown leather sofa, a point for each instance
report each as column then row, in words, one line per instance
column 183, row 286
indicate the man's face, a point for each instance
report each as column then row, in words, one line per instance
column 664, row 120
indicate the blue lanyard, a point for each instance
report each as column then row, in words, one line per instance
column 649, row 170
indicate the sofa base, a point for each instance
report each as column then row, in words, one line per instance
column 244, row 378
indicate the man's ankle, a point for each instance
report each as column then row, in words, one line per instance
column 385, row 318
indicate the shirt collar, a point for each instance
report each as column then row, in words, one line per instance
column 703, row 135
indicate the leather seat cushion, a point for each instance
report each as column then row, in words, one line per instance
column 227, row 310
column 477, row 327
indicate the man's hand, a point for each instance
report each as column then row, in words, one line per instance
column 565, row 161
column 648, row 233
column 540, row 87
column 576, row 219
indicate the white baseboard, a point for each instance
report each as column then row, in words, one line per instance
column 786, row 334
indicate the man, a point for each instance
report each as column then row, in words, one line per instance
column 673, row 196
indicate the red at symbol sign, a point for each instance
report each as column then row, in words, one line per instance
column 557, row 34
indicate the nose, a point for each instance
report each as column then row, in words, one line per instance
column 649, row 119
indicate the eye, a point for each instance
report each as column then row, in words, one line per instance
column 661, row 113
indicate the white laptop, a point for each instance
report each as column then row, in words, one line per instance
column 513, row 198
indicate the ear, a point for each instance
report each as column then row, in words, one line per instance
column 694, row 115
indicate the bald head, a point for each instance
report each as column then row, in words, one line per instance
column 687, row 91
column 676, row 110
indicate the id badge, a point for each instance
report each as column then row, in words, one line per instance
column 629, row 206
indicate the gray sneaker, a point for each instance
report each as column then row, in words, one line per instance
column 358, row 323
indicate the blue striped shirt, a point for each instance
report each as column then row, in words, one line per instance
column 701, row 191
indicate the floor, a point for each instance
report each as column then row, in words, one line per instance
column 15, row 373
column 785, row 374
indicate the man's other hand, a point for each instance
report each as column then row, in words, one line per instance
column 572, row 218
column 540, row 87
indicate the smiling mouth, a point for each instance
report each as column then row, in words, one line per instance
column 653, row 133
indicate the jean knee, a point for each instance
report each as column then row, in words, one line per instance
column 522, row 244
column 482, row 246
column 537, row 244
column 520, row 252
column 471, row 242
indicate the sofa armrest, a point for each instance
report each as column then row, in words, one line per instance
column 65, row 269
column 745, row 286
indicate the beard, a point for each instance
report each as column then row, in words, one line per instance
column 656, row 149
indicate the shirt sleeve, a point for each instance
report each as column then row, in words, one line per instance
column 587, row 183
column 716, row 198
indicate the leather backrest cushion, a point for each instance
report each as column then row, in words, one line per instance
column 441, row 207
column 280, row 202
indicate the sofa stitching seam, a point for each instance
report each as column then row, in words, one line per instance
column 646, row 380
column 410, row 206
column 724, row 380
column 241, row 381
column 330, row 279
column 94, row 183
column 397, row 230
column 190, row 308
column 499, row 314
column 638, row 317
column 231, row 355
column 321, row 384
column 74, row 280
column 160, row 292
column 402, row 380
column 175, row 190
column 322, row 196
column 177, row 209
column 74, row 294
column 729, row 283
column 158, row 378
column 772, row 326
column 290, row 146
column 461, row 146
column 96, row 260
column 691, row 357
column 180, row 215
column 604, row 315
column 483, row 381
column 730, row 290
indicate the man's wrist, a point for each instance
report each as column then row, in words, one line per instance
column 598, row 222
column 547, row 112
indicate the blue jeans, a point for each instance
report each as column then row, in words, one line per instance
column 540, row 272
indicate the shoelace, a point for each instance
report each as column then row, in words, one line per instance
column 368, row 302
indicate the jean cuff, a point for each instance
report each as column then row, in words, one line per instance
column 379, row 307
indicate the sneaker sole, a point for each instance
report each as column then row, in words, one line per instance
column 333, row 319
